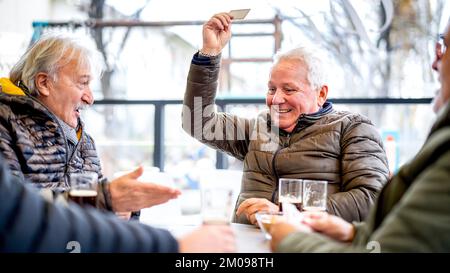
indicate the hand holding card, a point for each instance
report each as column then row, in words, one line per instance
column 239, row 14
column 217, row 31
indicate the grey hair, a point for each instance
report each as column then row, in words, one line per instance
column 52, row 52
column 315, row 64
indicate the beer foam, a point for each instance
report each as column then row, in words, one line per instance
column 83, row 193
column 290, row 199
column 314, row 209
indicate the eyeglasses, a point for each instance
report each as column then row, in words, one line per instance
column 441, row 46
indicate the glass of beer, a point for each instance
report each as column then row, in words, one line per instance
column 290, row 191
column 314, row 195
column 83, row 188
column 266, row 219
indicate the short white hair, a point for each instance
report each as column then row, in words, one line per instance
column 311, row 58
column 51, row 52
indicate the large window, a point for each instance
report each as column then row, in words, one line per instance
column 373, row 50
column 123, row 135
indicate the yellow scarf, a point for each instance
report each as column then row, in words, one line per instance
column 6, row 86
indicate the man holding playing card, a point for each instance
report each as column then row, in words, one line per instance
column 299, row 136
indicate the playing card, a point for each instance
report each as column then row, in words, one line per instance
column 239, row 14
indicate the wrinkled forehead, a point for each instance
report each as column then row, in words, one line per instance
column 293, row 65
column 74, row 63
column 292, row 62
column 293, row 68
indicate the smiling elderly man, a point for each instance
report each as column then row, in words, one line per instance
column 308, row 139
column 41, row 134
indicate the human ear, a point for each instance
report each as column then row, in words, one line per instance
column 42, row 82
column 323, row 95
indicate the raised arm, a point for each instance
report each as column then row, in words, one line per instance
column 201, row 119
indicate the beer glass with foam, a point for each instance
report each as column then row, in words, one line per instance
column 290, row 191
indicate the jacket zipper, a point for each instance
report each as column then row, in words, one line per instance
column 286, row 144
column 66, row 165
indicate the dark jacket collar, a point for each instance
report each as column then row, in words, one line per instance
column 325, row 109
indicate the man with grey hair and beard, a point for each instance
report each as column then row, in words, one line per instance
column 300, row 136
column 42, row 137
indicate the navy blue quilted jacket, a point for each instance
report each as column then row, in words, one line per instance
column 28, row 223
column 34, row 145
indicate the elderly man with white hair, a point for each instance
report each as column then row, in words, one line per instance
column 300, row 135
column 42, row 137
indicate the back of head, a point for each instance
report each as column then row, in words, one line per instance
column 51, row 52
column 315, row 65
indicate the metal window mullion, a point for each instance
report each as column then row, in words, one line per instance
column 159, row 148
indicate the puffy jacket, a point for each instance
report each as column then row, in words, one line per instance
column 412, row 213
column 342, row 148
column 30, row 224
column 35, row 148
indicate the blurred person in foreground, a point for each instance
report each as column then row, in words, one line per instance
column 29, row 223
column 42, row 137
column 412, row 213
column 300, row 136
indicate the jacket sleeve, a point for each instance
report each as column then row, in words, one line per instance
column 364, row 171
column 201, row 119
column 420, row 222
column 30, row 224
column 6, row 148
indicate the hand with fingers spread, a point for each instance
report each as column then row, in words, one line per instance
column 252, row 205
column 216, row 33
column 129, row 194
column 208, row 238
column 330, row 225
